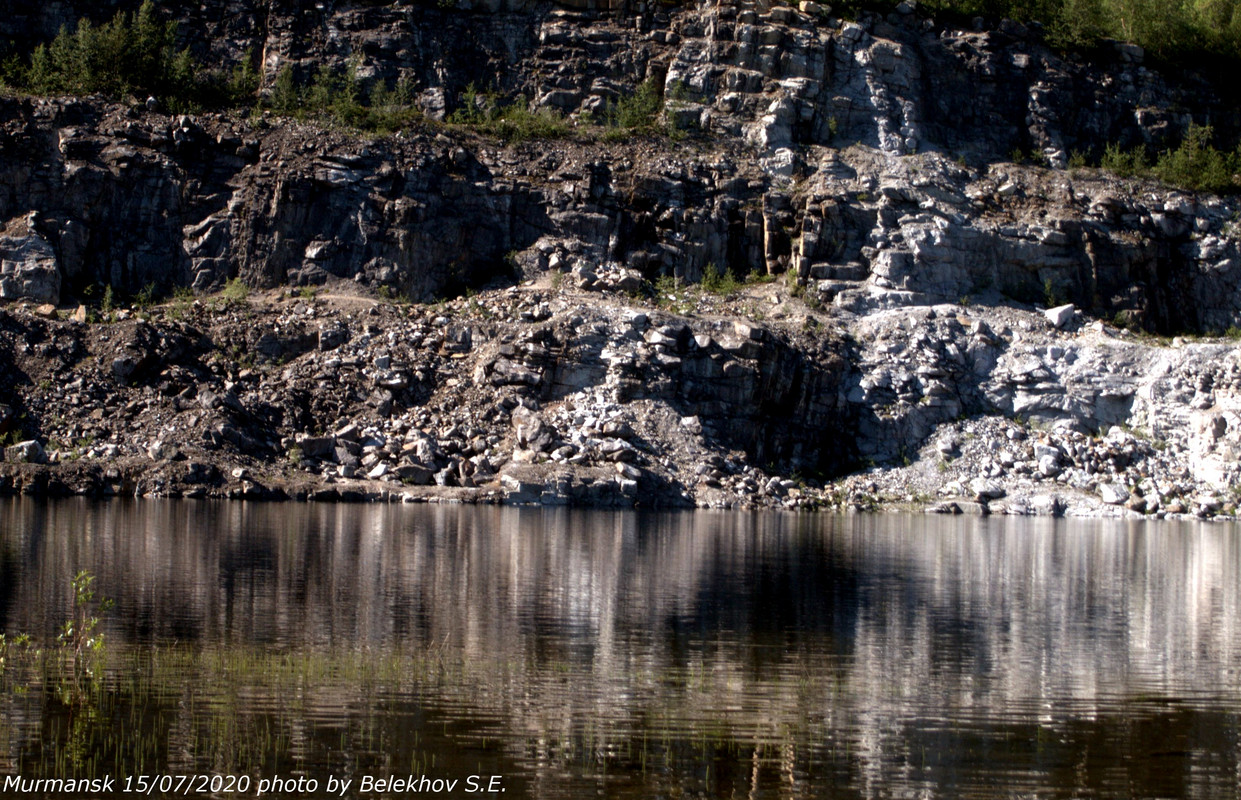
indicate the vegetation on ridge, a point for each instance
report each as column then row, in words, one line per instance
column 130, row 55
column 135, row 55
column 1196, row 164
column 1168, row 29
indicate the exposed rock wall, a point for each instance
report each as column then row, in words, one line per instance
column 131, row 198
column 865, row 163
column 901, row 82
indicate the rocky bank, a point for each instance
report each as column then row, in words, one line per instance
column 439, row 314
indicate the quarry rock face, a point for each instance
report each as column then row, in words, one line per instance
column 924, row 199
column 845, row 265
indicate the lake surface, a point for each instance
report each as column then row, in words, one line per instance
column 563, row 654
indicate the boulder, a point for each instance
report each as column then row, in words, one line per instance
column 28, row 266
column 1060, row 315
column 1113, row 493
column 517, row 491
column 985, row 489
column 317, row 446
column 415, row 474
column 28, row 452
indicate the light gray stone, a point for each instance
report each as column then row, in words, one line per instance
column 1113, row 493
column 1060, row 315
column 27, row 452
column 28, row 265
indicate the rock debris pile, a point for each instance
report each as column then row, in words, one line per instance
column 547, row 394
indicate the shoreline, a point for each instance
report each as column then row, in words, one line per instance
column 585, row 401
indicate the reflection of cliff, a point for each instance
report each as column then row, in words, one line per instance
column 815, row 636
column 1025, row 609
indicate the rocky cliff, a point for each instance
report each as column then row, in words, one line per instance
column 866, row 165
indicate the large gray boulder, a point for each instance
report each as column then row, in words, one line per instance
column 28, row 266
column 28, row 452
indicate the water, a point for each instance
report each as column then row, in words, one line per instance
column 570, row 654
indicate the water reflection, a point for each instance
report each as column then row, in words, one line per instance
column 766, row 655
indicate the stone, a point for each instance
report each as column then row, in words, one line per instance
column 162, row 451
column 1113, row 493
column 415, row 474
column 28, row 265
column 27, row 452
column 1060, row 315
column 1048, row 505
column 332, row 335
column 317, row 446
column 518, row 491
column 986, row 489
column 628, row 471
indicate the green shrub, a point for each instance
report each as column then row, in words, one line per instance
column 147, row 296
column 718, row 281
column 518, row 123
column 285, row 96
column 513, row 123
column 1194, row 164
column 1197, row 164
column 477, row 108
column 129, row 55
column 1125, row 163
column 339, row 97
column 235, row 291
column 637, row 111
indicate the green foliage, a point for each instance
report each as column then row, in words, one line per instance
column 285, row 96
column 243, row 81
column 235, row 291
column 1124, row 163
column 131, row 54
column 1167, row 29
column 513, row 123
column 147, row 296
column 718, row 281
column 796, row 287
column 1051, row 296
column 1194, row 164
column 78, row 633
column 671, row 295
column 1197, row 164
column 342, row 98
column 476, row 109
column 638, row 111
column 517, row 123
